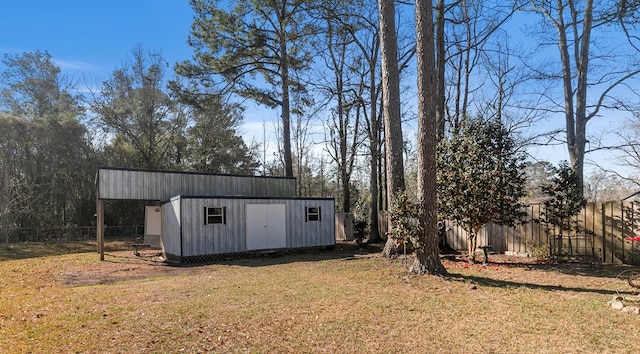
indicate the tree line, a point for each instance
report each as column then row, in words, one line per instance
column 346, row 64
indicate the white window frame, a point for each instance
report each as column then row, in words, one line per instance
column 216, row 215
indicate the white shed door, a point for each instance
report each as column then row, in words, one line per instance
column 152, row 225
column 277, row 228
column 266, row 226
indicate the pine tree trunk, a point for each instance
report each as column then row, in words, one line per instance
column 374, row 182
column 440, row 64
column 427, row 259
column 391, row 107
column 286, row 109
column 427, row 263
column 390, row 249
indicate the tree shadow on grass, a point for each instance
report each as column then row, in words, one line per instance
column 496, row 283
column 26, row 250
column 342, row 250
column 610, row 271
column 41, row 249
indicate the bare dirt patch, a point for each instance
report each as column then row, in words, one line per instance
column 123, row 266
column 120, row 266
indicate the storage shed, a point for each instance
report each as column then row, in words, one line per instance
column 205, row 215
column 202, row 227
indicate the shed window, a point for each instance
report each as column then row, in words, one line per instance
column 215, row 215
column 312, row 213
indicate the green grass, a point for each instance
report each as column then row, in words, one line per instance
column 318, row 303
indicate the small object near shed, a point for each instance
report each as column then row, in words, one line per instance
column 204, row 215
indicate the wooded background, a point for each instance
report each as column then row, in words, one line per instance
column 528, row 64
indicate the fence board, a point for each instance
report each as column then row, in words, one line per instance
column 344, row 227
column 605, row 227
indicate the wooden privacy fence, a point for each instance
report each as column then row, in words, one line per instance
column 605, row 225
column 344, row 227
column 345, row 230
column 605, row 229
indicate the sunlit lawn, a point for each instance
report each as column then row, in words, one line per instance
column 321, row 302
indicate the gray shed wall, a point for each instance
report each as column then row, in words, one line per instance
column 162, row 185
column 171, row 220
column 198, row 239
column 310, row 234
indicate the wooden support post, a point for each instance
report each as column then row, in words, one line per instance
column 622, row 229
column 603, row 212
column 613, row 244
column 632, row 223
column 100, row 227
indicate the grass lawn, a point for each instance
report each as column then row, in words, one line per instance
column 54, row 301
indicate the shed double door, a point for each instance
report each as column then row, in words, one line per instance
column 266, row 226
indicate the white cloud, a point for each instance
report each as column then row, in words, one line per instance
column 74, row 65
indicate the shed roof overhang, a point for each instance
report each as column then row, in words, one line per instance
column 139, row 184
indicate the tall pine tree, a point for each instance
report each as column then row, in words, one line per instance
column 254, row 49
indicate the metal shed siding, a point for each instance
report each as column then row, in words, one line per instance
column 302, row 233
column 161, row 185
column 200, row 239
column 171, row 230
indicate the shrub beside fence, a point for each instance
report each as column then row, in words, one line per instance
column 605, row 227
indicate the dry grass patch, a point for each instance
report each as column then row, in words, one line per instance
column 319, row 303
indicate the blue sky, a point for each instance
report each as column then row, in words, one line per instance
column 91, row 37
column 95, row 37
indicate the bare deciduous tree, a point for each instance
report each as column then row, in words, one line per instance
column 343, row 89
column 586, row 70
